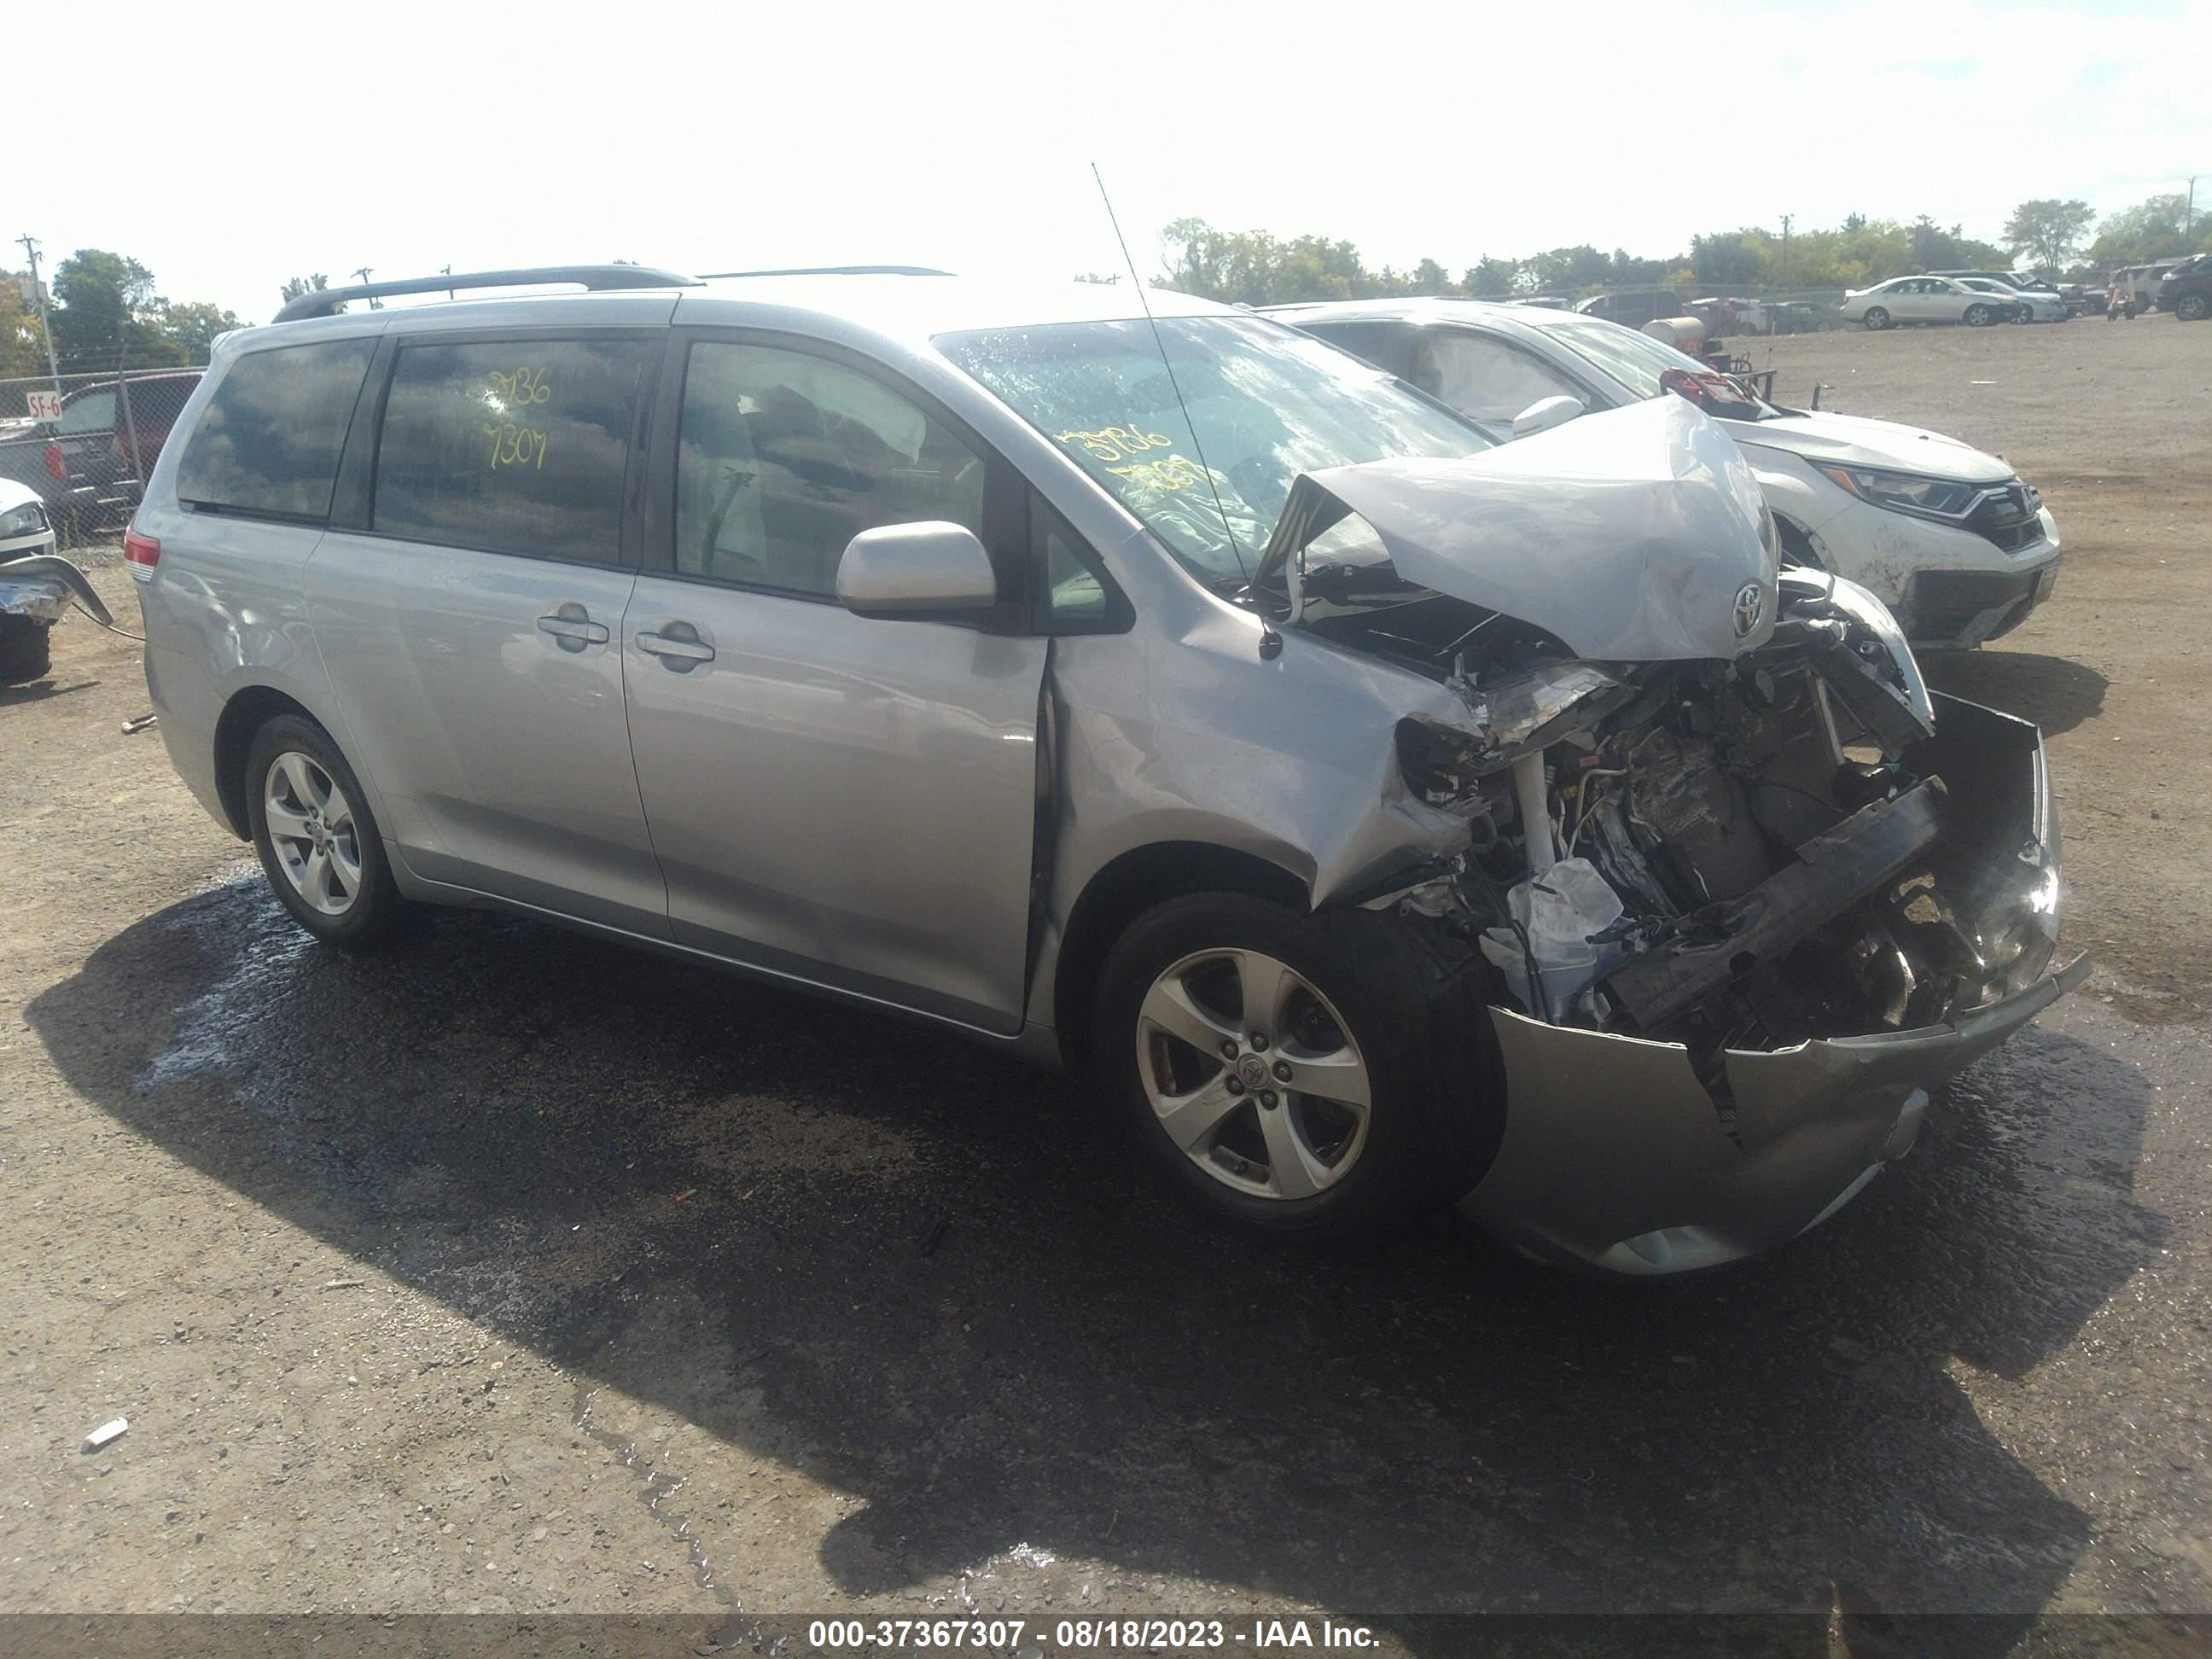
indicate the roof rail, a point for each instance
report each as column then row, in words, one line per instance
column 324, row 302
column 833, row 270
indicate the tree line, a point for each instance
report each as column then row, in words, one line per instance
column 107, row 315
column 2048, row 236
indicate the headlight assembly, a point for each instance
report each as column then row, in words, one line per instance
column 27, row 520
column 1907, row 492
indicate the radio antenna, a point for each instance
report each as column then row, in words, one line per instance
column 1160, row 344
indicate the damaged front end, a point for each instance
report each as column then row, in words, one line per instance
column 1748, row 888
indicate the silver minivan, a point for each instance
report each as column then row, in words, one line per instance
column 1376, row 814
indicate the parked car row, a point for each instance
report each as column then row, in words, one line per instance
column 1378, row 804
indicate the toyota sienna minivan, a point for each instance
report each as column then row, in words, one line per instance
column 1375, row 813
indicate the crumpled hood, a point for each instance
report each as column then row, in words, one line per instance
column 1636, row 535
column 1855, row 441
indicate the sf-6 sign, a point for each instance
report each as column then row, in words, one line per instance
column 43, row 406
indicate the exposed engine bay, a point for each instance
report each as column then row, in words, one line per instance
column 1731, row 855
column 1738, row 892
column 1713, row 803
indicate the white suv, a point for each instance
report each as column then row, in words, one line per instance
column 1949, row 538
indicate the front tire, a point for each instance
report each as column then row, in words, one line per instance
column 317, row 837
column 26, row 650
column 2190, row 308
column 1277, row 1069
column 1875, row 319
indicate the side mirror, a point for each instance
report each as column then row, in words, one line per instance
column 915, row 570
column 1545, row 414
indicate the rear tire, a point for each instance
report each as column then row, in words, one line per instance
column 1875, row 319
column 1286, row 1073
column 26, row 650
column 1977, row 317
column 317, row 838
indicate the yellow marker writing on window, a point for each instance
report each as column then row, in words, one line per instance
column 524, row 386
column 1175, row 473
column 516, row 446
column 1116, row 443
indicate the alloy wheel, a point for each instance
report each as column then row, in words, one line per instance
column 1253, row 1074
column 312, row 831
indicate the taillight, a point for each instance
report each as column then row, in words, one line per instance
column 141, row 553
column 56, row 466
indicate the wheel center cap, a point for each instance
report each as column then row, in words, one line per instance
column 1252, row 1072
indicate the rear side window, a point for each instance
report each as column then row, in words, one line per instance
column 512, row 446
column 268, row 440
column 92, row 412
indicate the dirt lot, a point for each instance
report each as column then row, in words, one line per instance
column 515, row 1273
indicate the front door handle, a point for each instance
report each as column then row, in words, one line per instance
column 572, row 628
column 679, row 648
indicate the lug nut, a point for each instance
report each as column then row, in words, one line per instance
column 1228, row 1048
column 1282, row 1071
column 1259, row 1039
column 1267, row 1100
column 1235, row 1087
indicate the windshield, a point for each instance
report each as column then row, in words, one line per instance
column 1268, row 405
column 1634, row 362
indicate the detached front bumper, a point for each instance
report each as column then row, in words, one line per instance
column 1617, row 1159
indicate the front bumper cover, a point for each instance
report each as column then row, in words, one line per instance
column 1614, row 1158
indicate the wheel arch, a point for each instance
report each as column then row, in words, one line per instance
column 1128, row 885
column 246, row 713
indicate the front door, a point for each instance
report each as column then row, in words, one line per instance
column 473, row 632
column 845, row 801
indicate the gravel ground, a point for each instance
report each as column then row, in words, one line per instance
column 515, row 1273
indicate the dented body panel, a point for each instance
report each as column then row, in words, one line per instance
column 1628, row 537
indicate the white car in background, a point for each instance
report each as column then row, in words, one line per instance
column 1949, row 538
column 1904, row 299
column 2029, row 305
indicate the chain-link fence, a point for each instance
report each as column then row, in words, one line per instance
column 86, row 442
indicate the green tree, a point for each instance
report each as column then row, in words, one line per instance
column 296, row 286
column 1731, row 258
column 1564, row 270
column 193, row 325
column 2046, row 232
column 1490, row 279
column 2149, row 230
column 106, row 314
column 22, row 346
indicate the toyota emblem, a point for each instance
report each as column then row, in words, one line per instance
column 1750, row 610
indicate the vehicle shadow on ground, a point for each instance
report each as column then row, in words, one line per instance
column 1073, row 1363
column 40, row 691
column 2057, row 694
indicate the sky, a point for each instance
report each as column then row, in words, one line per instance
column 244, row 144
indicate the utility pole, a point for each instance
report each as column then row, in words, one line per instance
column 46, row 324
column 2188, row 213
column 364, row 273
column 1785, row 249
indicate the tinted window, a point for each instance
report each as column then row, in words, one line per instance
column 515, row 446
column 95, row 411
column 1485, row 376
column 268, row 440
column 786, row 458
